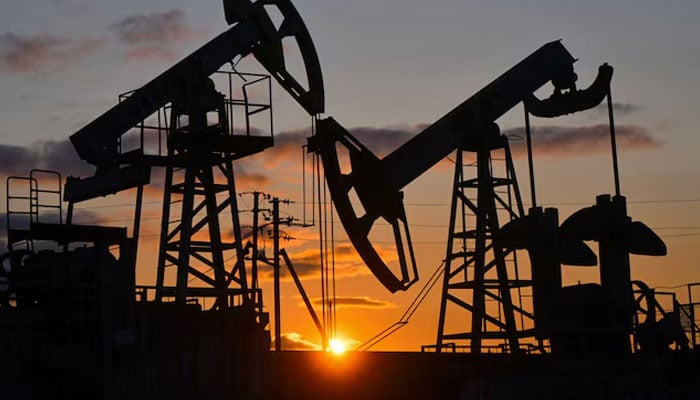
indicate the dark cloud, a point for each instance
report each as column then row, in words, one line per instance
column 552, row 140
column 52, row 155
column 548, row 140
column 561, row 141
column 249, row 178
column 307, row 264
column 618, row 108
column 357, row 302
column 42, row 53
column 89, row 217
column 286, row 140
column 381, row 141
column 21, row 221
column 151, row 36
column 152, row 28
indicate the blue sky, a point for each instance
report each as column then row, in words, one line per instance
column 399, row 63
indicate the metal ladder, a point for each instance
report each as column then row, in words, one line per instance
column 30, row 200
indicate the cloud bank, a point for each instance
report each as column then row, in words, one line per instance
column 618, row 109
column 168, row 26
column 561, row 141
column 49, row 154
column 18, row 221
column 307, row 264
column 43, row 53
column 548, row 140
column 151, row 36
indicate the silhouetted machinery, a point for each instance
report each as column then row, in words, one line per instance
column 179, row 121
column 201, row 142
column 582, row 319
column 69, row 320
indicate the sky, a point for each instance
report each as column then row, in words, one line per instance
column 390, row 67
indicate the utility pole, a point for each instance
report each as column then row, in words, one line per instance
column 276, row 267
column 254, row 258
column 273, row 217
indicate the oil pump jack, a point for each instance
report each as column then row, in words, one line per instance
column 477, row 271
column 201, row 144
column 88, row 296
column 68, row 318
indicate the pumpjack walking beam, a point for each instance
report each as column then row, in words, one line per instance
column 254, row 32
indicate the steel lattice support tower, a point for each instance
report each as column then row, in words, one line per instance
column 200, row 214
column 481, row 279
column 199, row 194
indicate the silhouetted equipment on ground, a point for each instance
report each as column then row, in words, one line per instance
column 73, row 323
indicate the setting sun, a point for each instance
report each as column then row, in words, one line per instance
column 337, row 346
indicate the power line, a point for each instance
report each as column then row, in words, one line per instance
column 675, row 227
column 672, row 287
column 406, row 317
column 652, row 201
column 118, row 205
column 681, row 235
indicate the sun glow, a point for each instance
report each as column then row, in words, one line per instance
column 337, row 346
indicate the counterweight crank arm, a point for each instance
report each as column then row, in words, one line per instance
column 378, row 201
